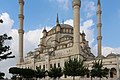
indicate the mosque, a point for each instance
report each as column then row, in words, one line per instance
column 63, row 42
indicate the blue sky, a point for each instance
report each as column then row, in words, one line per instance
column 42, row 13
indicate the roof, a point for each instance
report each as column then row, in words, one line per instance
column 64, row 26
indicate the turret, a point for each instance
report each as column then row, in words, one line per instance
column 44, row 32
column 83, row 36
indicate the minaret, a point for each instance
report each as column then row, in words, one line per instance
column 21, row 31
column 76, row 4
column 99, row 25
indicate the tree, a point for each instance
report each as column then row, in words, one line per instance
column 40, row 73
column 22, row 73
column 1, row 21
column 15, row 71
column 2, row 75
column 75, row 67
column 98, row 70
column 4, row 49
column 28, row 73
column 55, row 73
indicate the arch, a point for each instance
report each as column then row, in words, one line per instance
column 50, row 42
column 113, row 73
column 66, row 37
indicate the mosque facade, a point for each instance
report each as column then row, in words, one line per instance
column 64, row 41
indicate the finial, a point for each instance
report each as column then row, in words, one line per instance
column 44, row 30
column 57, row 20
column 99, row 2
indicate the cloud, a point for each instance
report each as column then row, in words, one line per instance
column 89, row 8
column 62, row 3
column 87, row 27
column 7, row 23
column 106, row 50
column 70, row 22
column 31, row 40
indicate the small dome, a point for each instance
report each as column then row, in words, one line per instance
column 111, row 55
column 64, row 26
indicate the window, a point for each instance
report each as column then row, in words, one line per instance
column 50, row 65
column 54, row 65
column 58, row 64
column 44, row 67
column 40, row 66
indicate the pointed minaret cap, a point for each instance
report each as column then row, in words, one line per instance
column 44, row 30
column 99, row 2
column 57, row 20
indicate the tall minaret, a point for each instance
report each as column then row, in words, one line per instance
column 99, row 25
column 21, row 31
column 76, row 4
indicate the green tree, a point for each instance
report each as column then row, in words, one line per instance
column 55, row 73
column 1, row 21
column 15, row 72
column 4, row 49
column 98, row 70
column 22, row 73
column 40, row 73
column 14, row 77
column 2, row 75
column 75, row 67
column 28, row 74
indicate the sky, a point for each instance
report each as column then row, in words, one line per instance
column 42, row 13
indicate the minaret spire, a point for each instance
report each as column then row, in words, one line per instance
column 21, row 31
column 57, row 20
column 99, row 2
column 99, row 25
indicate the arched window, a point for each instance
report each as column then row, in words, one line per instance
column 113, row 73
